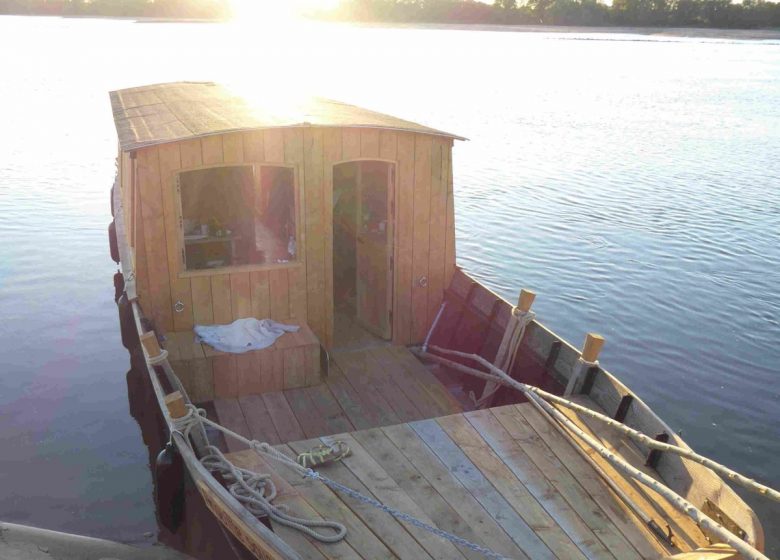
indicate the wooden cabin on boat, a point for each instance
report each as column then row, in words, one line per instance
column 341, row 220
column 320, row 214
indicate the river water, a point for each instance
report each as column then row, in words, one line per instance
column 632, row 181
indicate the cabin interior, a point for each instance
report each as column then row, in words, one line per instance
column 347, row 230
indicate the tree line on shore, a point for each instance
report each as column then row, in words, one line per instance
column 747, row 14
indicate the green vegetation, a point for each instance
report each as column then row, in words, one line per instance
column 748, row 14
column 654, row 13
column 179, row 9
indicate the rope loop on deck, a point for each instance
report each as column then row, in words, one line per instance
column 256, row 491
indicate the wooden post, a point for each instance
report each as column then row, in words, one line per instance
column 592, row 347
column 175, row 403
column 150, row 344
column 526, row 300
column 590, row 353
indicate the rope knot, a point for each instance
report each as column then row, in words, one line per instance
column 525, row 317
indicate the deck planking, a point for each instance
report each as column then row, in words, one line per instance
column 468, row 474
column 687, row 534
column 365, row 389
column 503, row 478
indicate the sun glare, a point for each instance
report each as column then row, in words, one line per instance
column 276, row 10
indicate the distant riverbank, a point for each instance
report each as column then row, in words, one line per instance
column 692, row 32
column 669, row 15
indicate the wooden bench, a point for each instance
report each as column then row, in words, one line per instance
column 207, row 374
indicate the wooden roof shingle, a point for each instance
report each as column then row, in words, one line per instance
column 162, row 113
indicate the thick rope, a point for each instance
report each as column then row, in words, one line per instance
column 255, row 491
column 254, row 484
column 535, row 395
column 507, row 351
column 577, row 374
column 499, row 376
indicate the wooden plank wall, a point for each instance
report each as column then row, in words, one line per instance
column 424, row 248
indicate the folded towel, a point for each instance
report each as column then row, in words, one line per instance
column 243, row 335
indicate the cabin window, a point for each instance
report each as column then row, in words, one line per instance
column 231, row 220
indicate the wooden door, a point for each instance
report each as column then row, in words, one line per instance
column 374, row 256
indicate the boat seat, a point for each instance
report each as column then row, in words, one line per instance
column 207, row 374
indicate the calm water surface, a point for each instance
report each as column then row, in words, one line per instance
column 634, row 183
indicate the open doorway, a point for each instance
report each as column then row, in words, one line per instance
column 363, row 194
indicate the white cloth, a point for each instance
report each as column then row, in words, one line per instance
column 243, row 335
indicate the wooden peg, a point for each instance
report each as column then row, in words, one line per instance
column 175, row 403
column 592, row 347
column 150, row 344
column 526, row 300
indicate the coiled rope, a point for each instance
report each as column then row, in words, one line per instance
column 254, row 490
column 257, row 491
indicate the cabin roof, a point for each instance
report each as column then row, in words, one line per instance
column 162, row 113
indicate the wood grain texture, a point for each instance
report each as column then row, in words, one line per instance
column 402, row 315
column 449, row 248
column 221, row 299
column 318, row 496
column 170, row 163
column 259, row 294
column 226, row 384
column 313, row 140
column 474, row 480
column 230, row 415
column 253, row 146
column 369, row 143
column 148, row 166
column 283, row 417
column 438, row 228
column 350, row 142
column 202, row 308
column 565, row 464
column 211, row 149
column 302, row 293
column 296, row 276
column 370, row 473
column 536, row 456
column 332, row 153
column 414, row 484
column 280, row 295
column 240, row 295
column 513, row 490
column 393, row 534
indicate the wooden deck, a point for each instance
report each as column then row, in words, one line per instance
column 378, row 386
column 500, row 478
column 505, row 477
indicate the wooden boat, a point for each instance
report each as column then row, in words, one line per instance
column 340, row 220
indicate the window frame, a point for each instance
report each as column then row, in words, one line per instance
column 256, row 169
